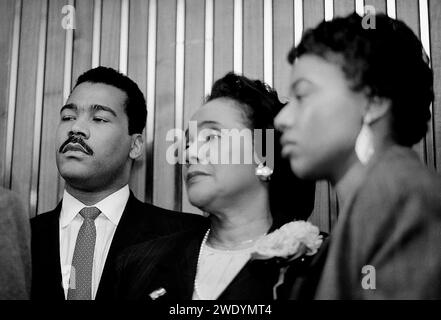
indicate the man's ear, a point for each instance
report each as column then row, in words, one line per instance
column 376, row 109
column 137, row 146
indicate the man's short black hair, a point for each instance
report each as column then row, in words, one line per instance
column 387, row 61
column 135, row 106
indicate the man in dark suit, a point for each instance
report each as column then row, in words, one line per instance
column 15, row 248
column 98, row 138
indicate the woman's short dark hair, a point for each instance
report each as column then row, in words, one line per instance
column 135, row 106
column 387, row 61
column 290, row 197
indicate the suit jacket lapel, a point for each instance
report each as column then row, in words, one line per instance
column 187, row 266
column 176, row 271
column 48, row 282
column 253, row 282
column 123, row 237
column 54, row 250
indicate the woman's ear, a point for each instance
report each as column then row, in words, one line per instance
column 376, row 109
column 137, row 146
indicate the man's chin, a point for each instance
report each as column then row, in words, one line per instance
column 77, row 174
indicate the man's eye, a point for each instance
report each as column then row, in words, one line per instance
column 67, row 118
column 99, row 120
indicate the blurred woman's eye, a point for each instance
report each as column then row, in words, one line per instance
column 302, row 90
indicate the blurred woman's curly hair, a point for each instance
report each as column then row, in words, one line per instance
column 387, row 61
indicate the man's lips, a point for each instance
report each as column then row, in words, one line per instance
column 74, row 147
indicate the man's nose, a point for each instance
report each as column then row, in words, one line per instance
column 80, row 127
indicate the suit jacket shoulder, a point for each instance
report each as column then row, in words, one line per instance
column 392, row 225
column 15, row 255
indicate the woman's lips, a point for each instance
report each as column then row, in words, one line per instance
column 287, row 148
column 193, row 174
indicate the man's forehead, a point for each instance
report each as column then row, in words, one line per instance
column 87, row 95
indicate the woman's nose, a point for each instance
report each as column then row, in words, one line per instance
column 191, row 153
column 284, row 118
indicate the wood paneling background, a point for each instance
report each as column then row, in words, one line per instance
column 174, row 50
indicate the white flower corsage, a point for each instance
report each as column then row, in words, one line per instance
column 293, row 240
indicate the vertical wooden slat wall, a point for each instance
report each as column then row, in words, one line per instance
column 253, row 38
column 435, row 46
column 8, row 11
column 194, row 68
column 182, row 46
column 21, row 169
column 165, row 191
column 137, row 70
column 53, row 98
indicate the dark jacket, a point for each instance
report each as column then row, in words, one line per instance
column 171, row 262
column 386, row 244
column 15, row 248
column 139, row 222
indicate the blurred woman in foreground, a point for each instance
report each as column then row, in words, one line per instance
column 360, row 99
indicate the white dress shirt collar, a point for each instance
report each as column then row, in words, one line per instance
column 112, row 206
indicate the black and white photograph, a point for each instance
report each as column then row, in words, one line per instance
column 220, row 157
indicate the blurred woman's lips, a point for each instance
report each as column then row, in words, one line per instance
column 287, row 148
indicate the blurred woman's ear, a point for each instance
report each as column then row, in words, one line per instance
column 376, row 109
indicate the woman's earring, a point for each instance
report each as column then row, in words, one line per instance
column 263, row 172
column 364, row 145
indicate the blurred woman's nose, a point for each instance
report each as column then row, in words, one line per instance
column 285, row 118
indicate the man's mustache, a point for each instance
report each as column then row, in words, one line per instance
column 78, row 140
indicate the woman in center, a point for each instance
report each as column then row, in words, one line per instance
column 246, row 192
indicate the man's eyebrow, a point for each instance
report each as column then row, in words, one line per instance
column 98, row 107
column 69, row 106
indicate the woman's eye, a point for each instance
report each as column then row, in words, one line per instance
column 212, row 137
column 299, row 97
